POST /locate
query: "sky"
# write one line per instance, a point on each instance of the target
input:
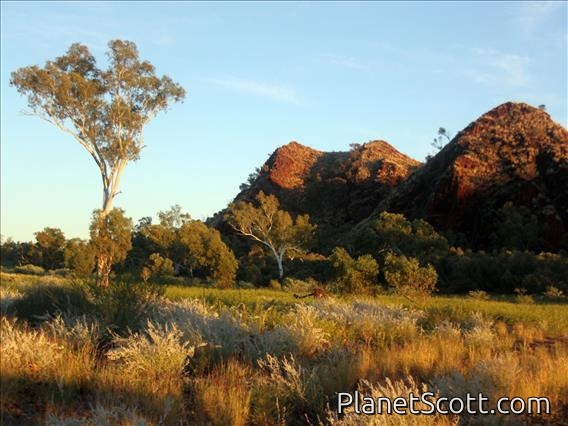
(259, 75)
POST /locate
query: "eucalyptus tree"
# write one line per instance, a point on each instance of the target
(271, 227)
(104, 110)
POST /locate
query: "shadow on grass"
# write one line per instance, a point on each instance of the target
(27, 400)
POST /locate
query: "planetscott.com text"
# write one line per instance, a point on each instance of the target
(427, 403)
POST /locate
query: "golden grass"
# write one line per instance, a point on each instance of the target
(238, 357)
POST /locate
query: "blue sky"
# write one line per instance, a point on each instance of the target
(259, 75)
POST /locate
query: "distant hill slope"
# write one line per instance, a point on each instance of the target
(514, 153)
(334, 188)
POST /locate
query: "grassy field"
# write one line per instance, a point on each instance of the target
(261, 357)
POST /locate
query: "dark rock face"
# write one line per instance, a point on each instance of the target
(512, 153)
(334, 188)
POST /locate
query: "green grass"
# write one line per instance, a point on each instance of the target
(551, 317)
(229, 297)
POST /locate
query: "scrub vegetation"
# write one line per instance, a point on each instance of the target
(197, 355)
(328, 273)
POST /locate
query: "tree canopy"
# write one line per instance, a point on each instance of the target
(206, 252)
(268, 225)
(105, 110)
(50, 243)
(111, 238)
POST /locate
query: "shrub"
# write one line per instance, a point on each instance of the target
(302, 328)
(159, 266)
(123, 305)
(275, 285)
(392, 389)
(407, 277)
(80, 257)
(156, 357)
(296, 285)
(392, 230)
(354, 275)
(478, 295)
(30, 269)
(223, 397)
(22, 349)
(206, 254)
(523, 297)
(553, 292)
(44, 301)
(294, 390)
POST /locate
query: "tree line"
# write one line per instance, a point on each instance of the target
(105, 111)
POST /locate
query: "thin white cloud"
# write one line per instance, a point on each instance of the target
(273, 91)
(498, 68)
(348, 62)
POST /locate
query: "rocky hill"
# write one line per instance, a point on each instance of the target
(514, 153)
(335, 188)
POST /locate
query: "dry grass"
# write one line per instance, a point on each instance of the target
(198, 361)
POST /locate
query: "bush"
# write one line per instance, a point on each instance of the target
(160, 266)
(407, 277)
(43, 301)
(275, 285)
(206, 255)
(120, 307)
(354, 275)
(123, 305)
(553, 292)
(297, 286)
(29, 269)
(522, 296)
(80, 257)
(245, 285)
(157, 357)
(478, 295)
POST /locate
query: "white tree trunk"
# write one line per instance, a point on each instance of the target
(279, 256)
(280, 268)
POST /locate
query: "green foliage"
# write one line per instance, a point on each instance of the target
(47, 300)
(392, 231)
(160, 266)
(14, 253)
(354, 276)
(30, 269)
(104, 110)
(516, 228)
(271, 227)
(123, 306)
(207, 254)
(252, 177)
(173, 218)
(523, 297)
(50, 244)
(79, 257)
(440, 140)
(407, 277)
(464, 271)
(111, 239)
